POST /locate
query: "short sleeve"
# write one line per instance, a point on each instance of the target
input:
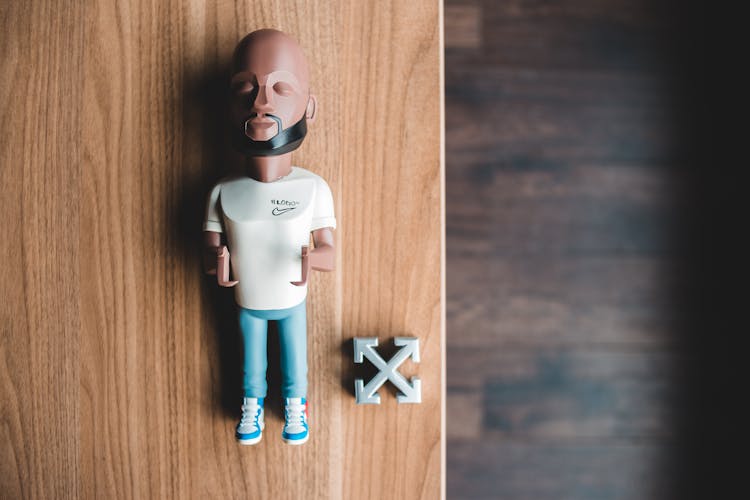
(213, 217)
(323, 215)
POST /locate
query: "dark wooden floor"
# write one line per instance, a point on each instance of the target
(561, 202)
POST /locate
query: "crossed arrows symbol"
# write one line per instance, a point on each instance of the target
(365, 348)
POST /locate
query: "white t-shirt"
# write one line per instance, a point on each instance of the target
(267, 224)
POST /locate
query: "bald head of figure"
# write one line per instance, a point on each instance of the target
(268, 50)
(271, 101)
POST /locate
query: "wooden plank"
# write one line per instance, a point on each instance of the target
(41, 51)
(141, 381)
(568, 395)
(580, 35)
(392, 194)
(563, 354)
(546, 118)
(571, 256)
(592, 210)
(547, 301)
(463, 26)
(464, 414)
(559, 471)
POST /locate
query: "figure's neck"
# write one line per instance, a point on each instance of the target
(269, 168)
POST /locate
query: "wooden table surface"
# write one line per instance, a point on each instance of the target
(119, 361)
(562, 181)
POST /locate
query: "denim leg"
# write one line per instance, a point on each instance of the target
(293, 342)
(255, 362)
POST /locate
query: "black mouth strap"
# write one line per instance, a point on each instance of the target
(285, 141)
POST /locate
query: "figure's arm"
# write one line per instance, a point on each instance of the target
(216, 258)
(322, 257)
(215, 255)
(212, 230)
(212, 244)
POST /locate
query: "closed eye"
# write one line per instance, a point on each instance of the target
(243, 87)
(283, 89)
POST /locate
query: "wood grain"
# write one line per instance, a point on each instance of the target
(546, 302)
(563, 176)
(547, 117)
(576, 35)
(566, 395)
(528, 471)
(119, 366)
(40, 172)
(463, 26)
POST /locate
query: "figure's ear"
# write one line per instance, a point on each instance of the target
(312, 108)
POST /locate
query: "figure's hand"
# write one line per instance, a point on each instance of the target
(305, 267)
(222, 268)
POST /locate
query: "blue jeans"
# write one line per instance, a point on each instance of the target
(292, 326)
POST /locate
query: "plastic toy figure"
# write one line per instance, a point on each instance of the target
(267, 216)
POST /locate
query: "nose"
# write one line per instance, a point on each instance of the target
(263, 101)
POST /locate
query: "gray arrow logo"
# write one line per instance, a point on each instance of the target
(366, 394)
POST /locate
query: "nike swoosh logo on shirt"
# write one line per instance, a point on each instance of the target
(279, 211)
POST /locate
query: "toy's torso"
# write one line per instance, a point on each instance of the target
(267, 224)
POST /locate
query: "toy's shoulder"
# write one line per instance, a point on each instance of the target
(230, 179)
(302, 173)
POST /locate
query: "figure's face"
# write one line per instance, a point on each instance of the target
(269, 87)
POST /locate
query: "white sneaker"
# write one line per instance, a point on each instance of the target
(250, 428)
(295, 426)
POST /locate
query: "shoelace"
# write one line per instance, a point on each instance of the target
(295, 414)
(250, 414)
